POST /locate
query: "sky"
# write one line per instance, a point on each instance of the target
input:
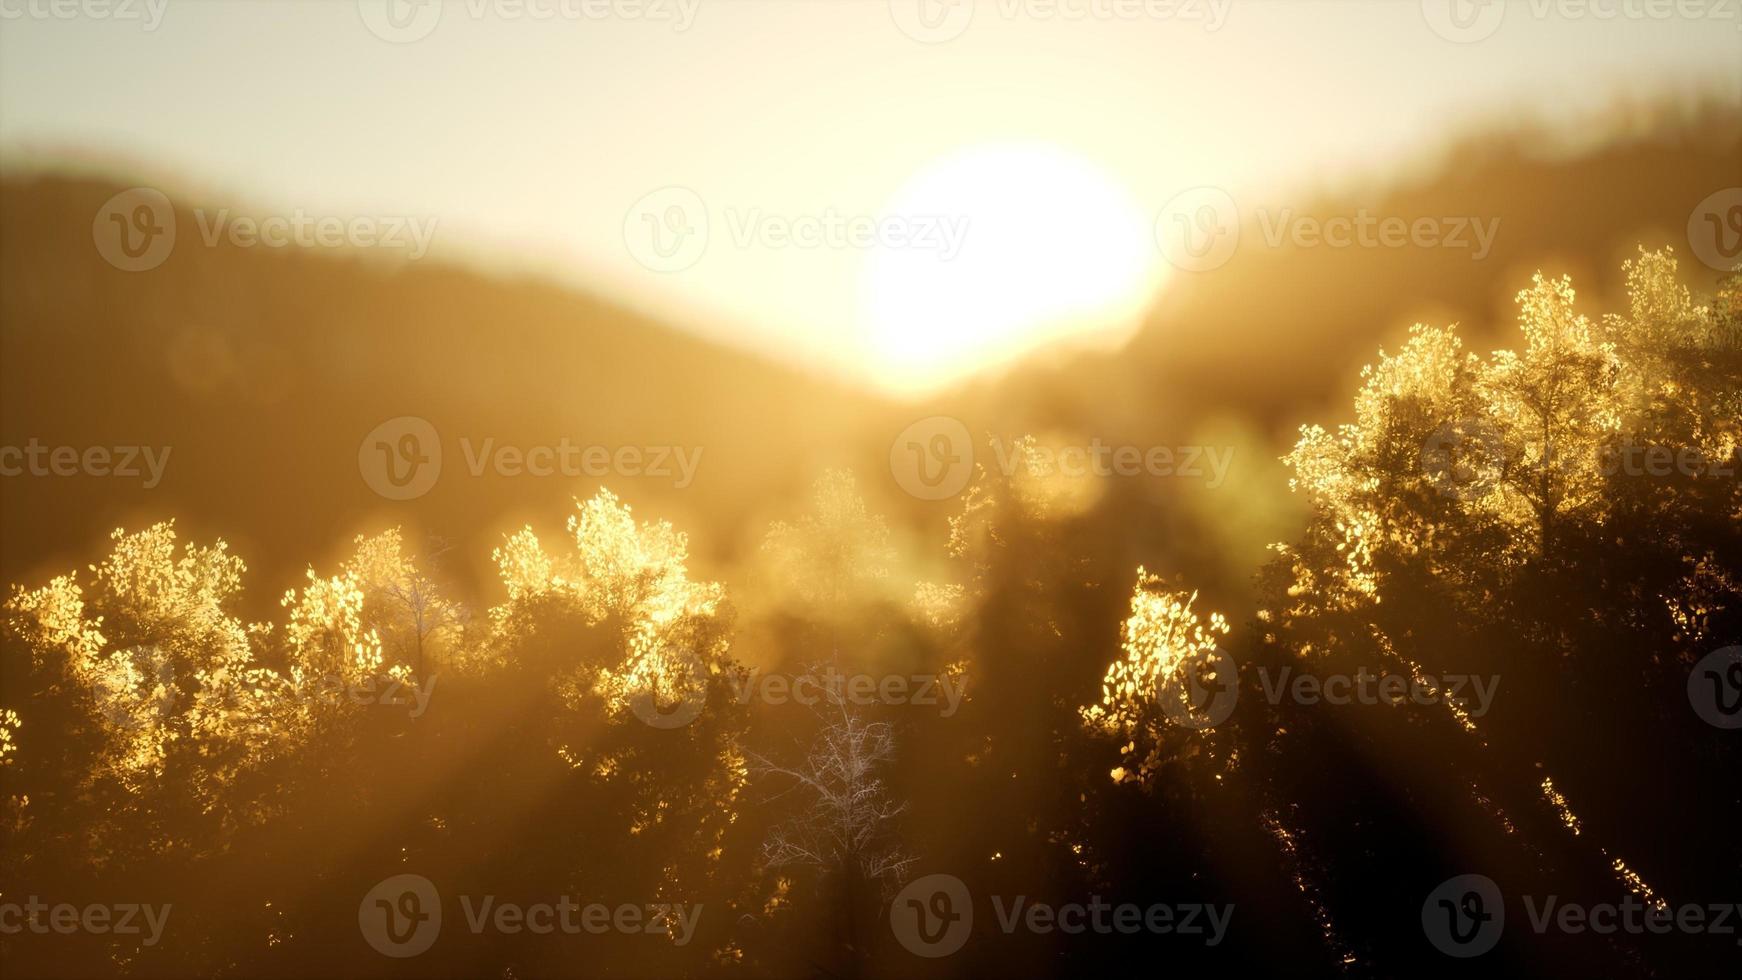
(895, 190)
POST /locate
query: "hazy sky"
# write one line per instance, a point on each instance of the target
(541, 137)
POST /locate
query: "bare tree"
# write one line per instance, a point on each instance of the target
(848, 824)
(408, 608)
(424, 612)
(847, 827)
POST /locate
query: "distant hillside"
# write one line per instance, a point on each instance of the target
(1278, 326)
(265, 368)
(1247, 352)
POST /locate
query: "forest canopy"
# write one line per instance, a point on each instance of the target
(1558, 524)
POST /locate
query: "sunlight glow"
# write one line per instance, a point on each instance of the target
(1053, 247)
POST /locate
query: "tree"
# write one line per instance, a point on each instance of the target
(836, 555)
(418, 625)
(845, 828)
(1489, 516)
(153, 686)
(626, 662)
(1155, 696)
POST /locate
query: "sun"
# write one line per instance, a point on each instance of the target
(1031, 244)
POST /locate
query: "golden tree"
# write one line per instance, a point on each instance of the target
(1447, 443)
(638, 656)
(1365, 481)
(157, 679)
(1553, 407)
(838, 552)
(1152, 698)
(175, 704)
(419, 626)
